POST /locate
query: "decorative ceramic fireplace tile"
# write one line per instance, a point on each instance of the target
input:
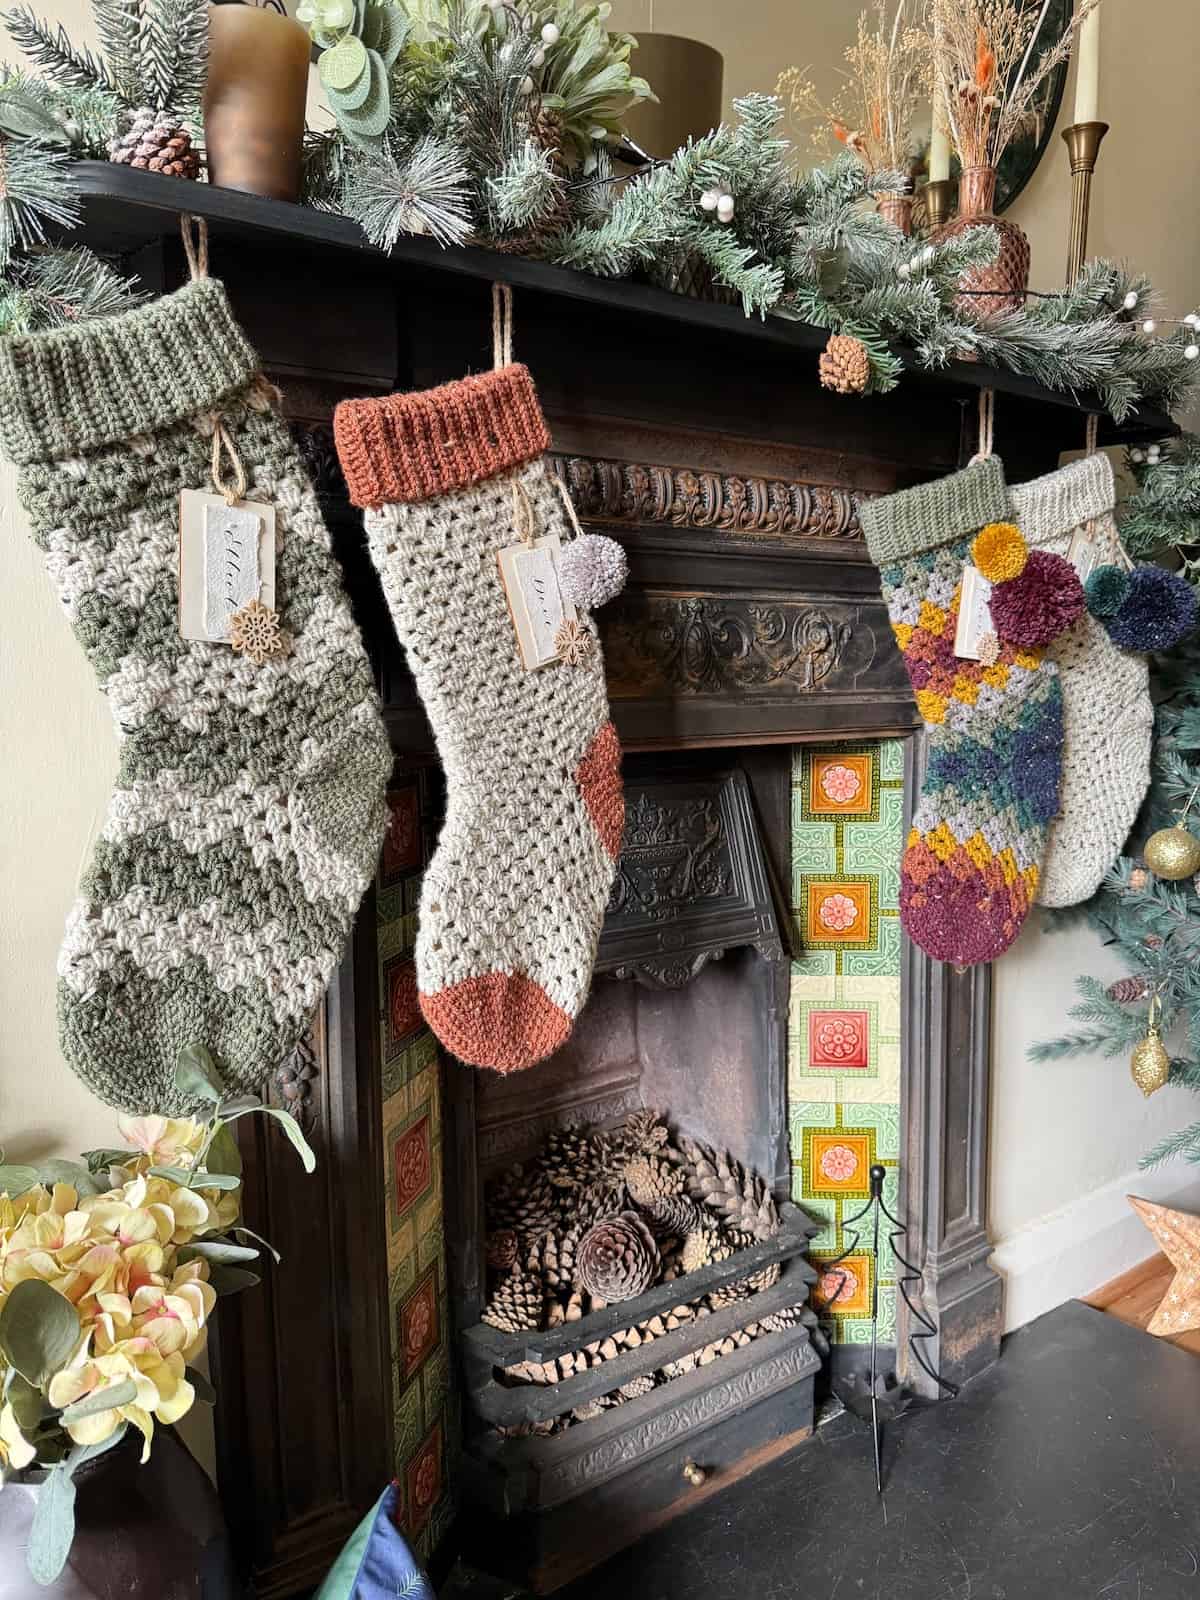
(844, 1023)
(412, 1176)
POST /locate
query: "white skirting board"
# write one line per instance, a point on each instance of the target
(1086, 1244)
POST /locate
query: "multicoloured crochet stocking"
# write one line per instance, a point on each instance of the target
(513, 899)
(248, 810)
(1108, 718)
(970, 867)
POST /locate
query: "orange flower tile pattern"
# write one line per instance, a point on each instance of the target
(844, 1026)
(426, 1425)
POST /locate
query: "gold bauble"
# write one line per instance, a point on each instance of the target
(1150, 1065)
(1173, 853)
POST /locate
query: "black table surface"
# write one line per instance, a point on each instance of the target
(1071, 1469)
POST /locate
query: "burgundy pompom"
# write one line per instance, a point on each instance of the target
(1159, 610)
(1036, 606)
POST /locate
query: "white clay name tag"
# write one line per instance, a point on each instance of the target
(529, 573)
(226, 560)
(1084, 552)
(974, 618)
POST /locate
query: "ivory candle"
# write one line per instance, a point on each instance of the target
(1087, 69)
(939, 141)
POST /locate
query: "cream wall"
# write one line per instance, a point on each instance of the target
(1063, 1135)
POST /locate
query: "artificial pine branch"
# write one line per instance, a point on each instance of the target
(36, 193)
(59, 288)
(52, 52)
(422, 190)
(526, 190)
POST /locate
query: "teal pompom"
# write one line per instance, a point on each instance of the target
(1106, 591)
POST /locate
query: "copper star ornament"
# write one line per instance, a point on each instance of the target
(1177, 1234)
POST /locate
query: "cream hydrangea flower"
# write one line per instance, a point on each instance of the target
(163, 1392)
(164, 1141)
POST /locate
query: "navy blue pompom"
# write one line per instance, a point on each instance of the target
(1159, 610)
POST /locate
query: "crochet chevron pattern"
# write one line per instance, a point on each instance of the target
(970, 867)
(513, 899)
(248, 810)
(1108, 718)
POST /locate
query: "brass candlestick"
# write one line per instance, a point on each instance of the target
(937, 201)
(1083, 146)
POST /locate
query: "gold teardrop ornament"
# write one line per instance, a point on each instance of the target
(1150, 1065)
(1173, 853)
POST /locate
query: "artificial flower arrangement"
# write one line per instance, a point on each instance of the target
(109, 1272)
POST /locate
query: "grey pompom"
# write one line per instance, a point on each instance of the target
(592, 571)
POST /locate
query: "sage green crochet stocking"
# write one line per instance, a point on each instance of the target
(248, 810)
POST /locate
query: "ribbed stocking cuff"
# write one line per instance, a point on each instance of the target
(1063, 500)
(915, 520)
(76, 389)
(406, 447)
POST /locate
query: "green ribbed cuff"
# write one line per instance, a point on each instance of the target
(915, 520)
(75, 389)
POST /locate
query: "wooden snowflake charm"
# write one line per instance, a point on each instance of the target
(254, 631)
(573, 643)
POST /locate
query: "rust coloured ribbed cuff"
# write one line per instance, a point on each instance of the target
(407, 447)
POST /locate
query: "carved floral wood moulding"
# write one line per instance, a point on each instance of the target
(688, 497)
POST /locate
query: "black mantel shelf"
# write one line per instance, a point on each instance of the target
(124, 210)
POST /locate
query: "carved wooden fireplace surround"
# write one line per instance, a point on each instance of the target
(752, 620)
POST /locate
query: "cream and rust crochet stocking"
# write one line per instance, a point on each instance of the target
(513, 899)
(248, 810)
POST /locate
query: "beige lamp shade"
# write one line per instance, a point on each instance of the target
(688, 78)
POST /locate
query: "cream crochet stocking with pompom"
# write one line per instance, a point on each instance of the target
(1108, 719)
(513, 899)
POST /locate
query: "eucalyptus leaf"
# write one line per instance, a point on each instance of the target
(343, 65)
(217, 1250)
(73, 1173)
(101, 1160)
(354, 97)
(223, 1154)
(196, 1075)
(205, 1392)
(28, 1402)
(39, 1329)
(15, 1180)
(53, 1527)
(192, 1179)
(23, 117)
(292, 1128)
(106, 1399)
(258, 1239)
(231, 1280)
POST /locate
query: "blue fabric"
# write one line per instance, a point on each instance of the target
(376, 1563)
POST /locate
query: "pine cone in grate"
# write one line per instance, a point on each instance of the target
(516, 1305)
(569, 1158)
(502, 1249)
(737, 1197)
(604, 1197)
(636, 1387)
(558, 1260)
(658, 1190)
(643, 1133)
(155, 142)
(766, 1277)
(703, 1246)
(524, 1200)
(618, 1258)
(845, 365)
(789, 1317)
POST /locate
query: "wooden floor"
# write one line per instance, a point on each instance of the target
(1134, 1298)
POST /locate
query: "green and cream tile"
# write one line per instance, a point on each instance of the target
(844, 1021)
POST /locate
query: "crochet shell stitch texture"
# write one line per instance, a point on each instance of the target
(513, 899)
(1108, 718)
(248, 809)
(970, 869)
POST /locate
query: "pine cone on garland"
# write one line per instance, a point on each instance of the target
(618, 1258)
(155, 142)
(845, 365)
(1125, 990)
(516, 1305)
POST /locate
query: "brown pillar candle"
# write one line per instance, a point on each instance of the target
(254, 100)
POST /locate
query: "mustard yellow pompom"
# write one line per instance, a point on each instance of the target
(999, 551)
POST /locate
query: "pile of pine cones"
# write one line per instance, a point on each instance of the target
(600, 1217)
